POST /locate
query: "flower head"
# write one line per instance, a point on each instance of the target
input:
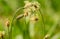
(34, 18)
(31, 7)
(7, 23)
(36, 5)
(27, 4)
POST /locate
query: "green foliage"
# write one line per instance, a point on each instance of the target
(47, 25)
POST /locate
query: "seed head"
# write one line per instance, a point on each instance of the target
(36, 5)
(34, 18)
(20, 16)
(26, 14)
(7, 23)
(32, 5)
(27, 4)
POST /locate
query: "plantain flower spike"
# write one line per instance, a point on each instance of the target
(36, 5)
(34, 18)
(7, 23)
(27, 4)
(31, 6)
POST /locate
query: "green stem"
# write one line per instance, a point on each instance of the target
(43, 28)
(26, 31)
(10, 33)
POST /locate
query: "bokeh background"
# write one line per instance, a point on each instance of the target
(51, 15)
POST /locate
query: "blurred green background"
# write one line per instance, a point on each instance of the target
(51, 14)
